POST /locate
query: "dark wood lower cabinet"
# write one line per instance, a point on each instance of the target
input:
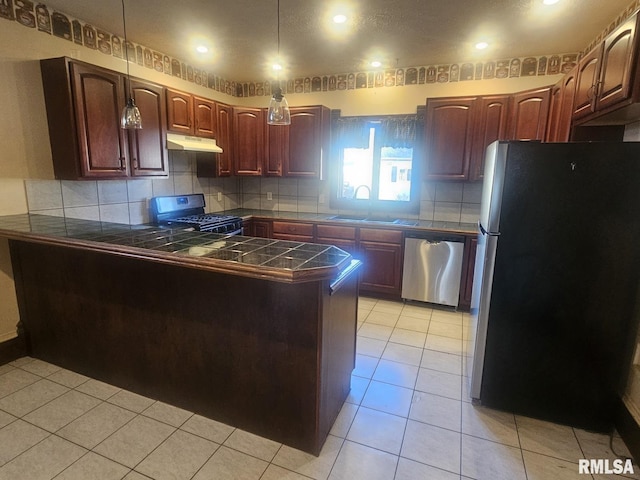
(468, 266)
(381, 254)
(270, 357)
(293, 231)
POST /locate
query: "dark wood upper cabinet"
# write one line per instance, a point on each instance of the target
(179, 112)
(299, 149)
(528, 114)
(205, 117)
(561, 108)
(191, 115)
(491, 125)
(586, 81)
(605, 76)
(308, 142)
(148, 146)
(217, 164)
(276, 148)
(617, 65)
(84, 104)
(248, 140)
(224, 126)
(449, 124)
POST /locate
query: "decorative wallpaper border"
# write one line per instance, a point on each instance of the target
(39, 16)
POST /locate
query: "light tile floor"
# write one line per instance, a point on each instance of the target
(408, 417)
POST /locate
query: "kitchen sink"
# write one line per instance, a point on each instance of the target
(361, 218)
(353, 218)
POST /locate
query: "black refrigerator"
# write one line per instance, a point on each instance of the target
(557, 279)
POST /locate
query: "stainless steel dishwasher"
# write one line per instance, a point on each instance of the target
(432, 268)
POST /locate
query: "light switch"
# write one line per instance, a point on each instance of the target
(219, 196)
(269, 196)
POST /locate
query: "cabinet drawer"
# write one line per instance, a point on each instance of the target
(293, 238)
(377, 235)
(335, 231)
(291, 228)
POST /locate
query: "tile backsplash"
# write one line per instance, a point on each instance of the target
(440, 201)
(126, 201)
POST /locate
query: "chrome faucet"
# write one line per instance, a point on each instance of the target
(355, 196)
(355, 192)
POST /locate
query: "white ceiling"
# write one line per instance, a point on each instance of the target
(243, 33)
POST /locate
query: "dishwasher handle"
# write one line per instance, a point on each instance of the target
(435, 238)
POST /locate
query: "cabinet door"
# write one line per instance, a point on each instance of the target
(205, 117)
(148, 145)
(448, 138)
(567, 98)
(382, 267)
(262, 229)
(287, 230)
(224, 125)
(248, 140)
(528, 112)
(618, 60)
(381, 252)
(339, 235)
(561, 108)
(98, 101)
(490, 125)
(179, 112)
(276, 148)
(307, 142)
(554, 112)
(468, 267)
(586, 80)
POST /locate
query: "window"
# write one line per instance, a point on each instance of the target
(376, 164)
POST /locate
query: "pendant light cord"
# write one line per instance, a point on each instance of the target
(278, 72)
(126, 48)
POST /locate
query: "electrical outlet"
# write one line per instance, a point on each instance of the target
(219, 196)
(321, 198)
(269, 196)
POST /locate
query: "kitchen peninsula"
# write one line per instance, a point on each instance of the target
(252, 332)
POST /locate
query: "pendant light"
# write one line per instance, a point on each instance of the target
(278, 113)
(130, 118)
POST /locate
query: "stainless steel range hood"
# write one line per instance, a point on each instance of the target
(192, 144)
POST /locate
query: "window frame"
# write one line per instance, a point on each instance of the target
(375, 206)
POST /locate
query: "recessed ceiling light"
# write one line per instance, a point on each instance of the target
(550, 2)
(339, 18)
(277, 66)
(481, 45)
(201, 49)
(376, 64)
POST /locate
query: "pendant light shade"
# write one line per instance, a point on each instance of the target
(278, 113)
(130, 118)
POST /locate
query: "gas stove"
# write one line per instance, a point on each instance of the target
(188, 211)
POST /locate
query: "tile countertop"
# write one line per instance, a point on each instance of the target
(403, 223)
(277, 260)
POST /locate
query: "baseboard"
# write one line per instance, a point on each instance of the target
(13, 349)
(628, 429)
